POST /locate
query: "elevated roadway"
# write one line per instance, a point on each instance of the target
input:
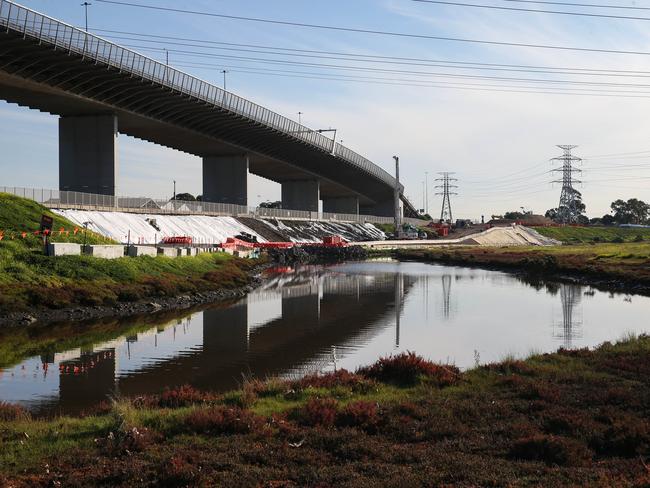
(100, 89)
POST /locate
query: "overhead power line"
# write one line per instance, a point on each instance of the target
(572, 4)
(371, 31)
(374, 58)
(534, 10)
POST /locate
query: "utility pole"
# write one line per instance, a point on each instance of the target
(426, 192)
(224, 71)
(174, 198)
(86, 5)
(568, 211)
(398, 216)
(446, 187)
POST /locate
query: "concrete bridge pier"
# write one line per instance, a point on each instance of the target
(345, 205)
(381, 209)
(225, 179)
(88, 159)
(301, 195)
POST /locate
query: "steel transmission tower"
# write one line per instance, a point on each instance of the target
(446, 187)
(568, 211)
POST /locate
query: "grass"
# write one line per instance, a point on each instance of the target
(627, 263)
(585, 235)
(29, 279)
(572, 418)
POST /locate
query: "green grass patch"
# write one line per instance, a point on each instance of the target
(578, 235)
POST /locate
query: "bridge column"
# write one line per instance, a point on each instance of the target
(381, 209)
(225, 179)
(88, 160)
(301, 195)
(345, 205)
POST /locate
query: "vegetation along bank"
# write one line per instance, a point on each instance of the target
(573, 418)
(37, 287)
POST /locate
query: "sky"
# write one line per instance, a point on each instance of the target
(498, 136)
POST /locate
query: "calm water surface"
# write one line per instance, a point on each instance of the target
(315, 318)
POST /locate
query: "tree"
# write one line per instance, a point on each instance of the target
(277, 204)
(185, 197)
(577, 210)
(634, 211)
(516, 215)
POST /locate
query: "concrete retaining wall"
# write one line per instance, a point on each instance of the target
(106, 252)
(170, 252)
(63, 249)
(135, 251)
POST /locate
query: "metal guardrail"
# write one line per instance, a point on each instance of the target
(59, 199)
(73, 40)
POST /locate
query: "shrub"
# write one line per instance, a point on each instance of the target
(626, 437)
(10, 412)
(342, 377)
(318, 412)
(224, 420)
(618, 240)
(407, 368)
(638, 238)
(182, 397)
(551, 450)
(364, 415)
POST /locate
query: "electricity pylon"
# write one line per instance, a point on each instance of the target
(446, 187)
(568, 211)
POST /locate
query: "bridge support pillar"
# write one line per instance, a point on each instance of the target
(301, 195)
(88, 160)
(345, 205)
(225, 179)
(381, 209)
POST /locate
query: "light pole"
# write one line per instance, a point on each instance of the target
(300, 118)
(396, 198)
(224, 78)
(86, 5)
(174, 197)
(426, 192)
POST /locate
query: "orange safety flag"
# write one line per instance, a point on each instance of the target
(76, 229)
(37, 232)
(24, 234)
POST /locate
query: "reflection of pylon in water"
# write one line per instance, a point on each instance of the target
(570, 297)
(446, 296)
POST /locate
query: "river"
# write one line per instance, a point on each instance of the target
(317, 318)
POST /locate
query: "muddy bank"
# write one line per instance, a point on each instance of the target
(121, 310)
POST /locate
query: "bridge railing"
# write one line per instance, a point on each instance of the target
(58, 199)
(71, 39)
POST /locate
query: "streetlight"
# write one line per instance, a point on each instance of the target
(396, 197)
(300, 118)
(86, 5)
(224, 77)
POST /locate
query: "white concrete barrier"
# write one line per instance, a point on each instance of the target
(63, 249)
(135, 251)
(105, 251)
(170, 252)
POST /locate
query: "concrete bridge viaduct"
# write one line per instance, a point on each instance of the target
(100, 89)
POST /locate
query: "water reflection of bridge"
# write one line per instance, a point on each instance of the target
(291, 321)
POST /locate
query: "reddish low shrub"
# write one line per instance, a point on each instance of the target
(10, 412)
(364, 415)
(625, 437)
(318, 412)
(224, 420)
(179, 471)
(408, 368)
(342, 377)
(551, 450)
(182, 396)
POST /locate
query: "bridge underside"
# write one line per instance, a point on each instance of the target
(36, 75)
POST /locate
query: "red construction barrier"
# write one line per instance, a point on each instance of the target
(177, 240)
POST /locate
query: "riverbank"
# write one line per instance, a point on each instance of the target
(564, 419)
(39, 288)
(622, 267)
